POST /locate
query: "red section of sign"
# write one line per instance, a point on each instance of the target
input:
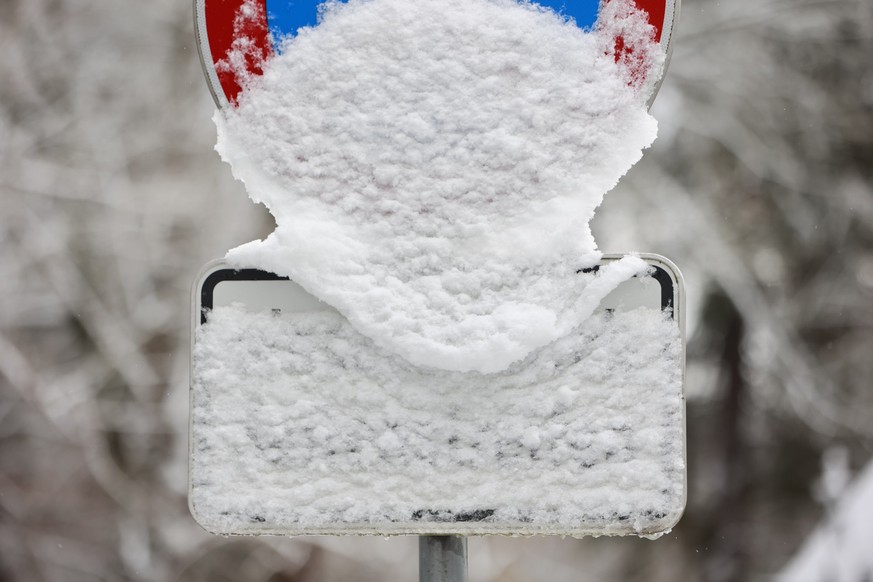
(633, 54)
(243, 21)
(657, 10)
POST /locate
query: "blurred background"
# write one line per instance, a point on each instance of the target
(760, 187)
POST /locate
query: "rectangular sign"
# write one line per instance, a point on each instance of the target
(300, 426)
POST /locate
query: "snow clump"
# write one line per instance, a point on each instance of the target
(433, 165)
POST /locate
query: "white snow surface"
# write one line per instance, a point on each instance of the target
(432, 167)
(300, 424)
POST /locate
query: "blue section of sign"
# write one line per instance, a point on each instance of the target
(284, 17)
(584, 12)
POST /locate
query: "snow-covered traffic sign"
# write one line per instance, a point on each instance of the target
(236, 37)
(298, 427)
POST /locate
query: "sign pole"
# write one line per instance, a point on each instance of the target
(442, 559)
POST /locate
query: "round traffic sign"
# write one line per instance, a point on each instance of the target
(223, 27)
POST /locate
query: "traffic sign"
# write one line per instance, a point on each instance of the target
(299, 428)
(264, 23)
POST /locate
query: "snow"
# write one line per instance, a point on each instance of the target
(300, 424)
(839, 550)
(432, 167)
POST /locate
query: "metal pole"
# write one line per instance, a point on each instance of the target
(442, 559)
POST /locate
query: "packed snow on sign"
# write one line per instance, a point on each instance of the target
(302, 425)
(432, 167)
